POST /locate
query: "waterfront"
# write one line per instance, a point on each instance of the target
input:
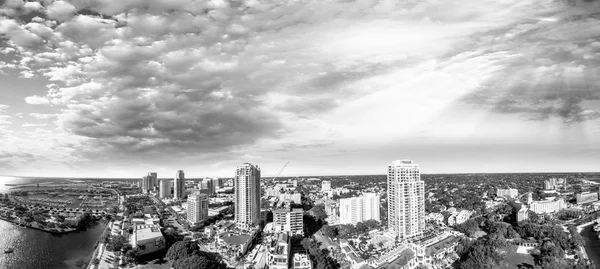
(592, 244)
(35, 249)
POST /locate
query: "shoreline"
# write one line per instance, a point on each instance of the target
(40, 229)
(583, 248)
(582, 226)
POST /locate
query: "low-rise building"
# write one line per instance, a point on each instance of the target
(523, 214)
(459, 216)
(441, 252)
(301, 261)
(279, 252)
(507, 193)
(147, 238)
(586, 197)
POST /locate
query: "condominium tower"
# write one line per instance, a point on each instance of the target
(197, 207)
(247, 195)
(165, 188)
(406, 199)
(358, 209)
(179, 185)
(153, 179)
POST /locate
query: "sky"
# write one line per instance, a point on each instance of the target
(104, 88)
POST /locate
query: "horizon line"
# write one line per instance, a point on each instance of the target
(304, 176)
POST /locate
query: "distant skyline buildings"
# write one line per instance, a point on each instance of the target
(406, 199)
(246, 185)
(179, 185)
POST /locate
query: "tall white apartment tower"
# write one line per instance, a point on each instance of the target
(359, 209)
(406, 199)
(197, 207)
(179, 185)
(165, 189)
(246, 185)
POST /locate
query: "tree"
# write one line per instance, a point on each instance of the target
(182, 250)
(201, 261)
(329, 231)
(116, 243)
(319, 212)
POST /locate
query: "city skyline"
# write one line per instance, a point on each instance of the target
(335, 87)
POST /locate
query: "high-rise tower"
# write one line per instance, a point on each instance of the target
(197, 207)
(406, 199)
(247, 195)
(165, 188)
(179, 185)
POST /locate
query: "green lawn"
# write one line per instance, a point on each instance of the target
(513, 259)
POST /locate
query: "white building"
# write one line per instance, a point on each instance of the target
(359, 209)
(406, 199)
(459, 216)
(247, 195)
(146, 184)
(288, 220)
(301, 261)
(507, 193)
(548, 206)
(148, 236)
(165, 189)
(326, 185)
(197, 207)
(279, 252)
(523, 214)
(179, 185)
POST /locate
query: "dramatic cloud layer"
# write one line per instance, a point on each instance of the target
(139, 83)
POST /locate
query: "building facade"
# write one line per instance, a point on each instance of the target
(586, 197)
(247, 195)
(165, 189)
(358, 209)
(179, 185)
(279, 252)
(197, 207)
(153, 179)
(147, 238)
(548, 206)
(406, 199)
(288, 220)
(326, 185)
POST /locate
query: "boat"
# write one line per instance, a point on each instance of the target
(8, 250)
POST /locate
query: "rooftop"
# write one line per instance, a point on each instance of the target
(235, 240)
(440, 246)
(403, 259)
(145, 232)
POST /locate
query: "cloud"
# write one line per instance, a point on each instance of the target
(41, 116)
(199, 77)
(37, 100)
(61, 10)
(33, 125)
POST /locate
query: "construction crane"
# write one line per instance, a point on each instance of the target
(280, 171)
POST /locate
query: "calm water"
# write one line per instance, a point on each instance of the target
(35, 249)
(592, 244)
